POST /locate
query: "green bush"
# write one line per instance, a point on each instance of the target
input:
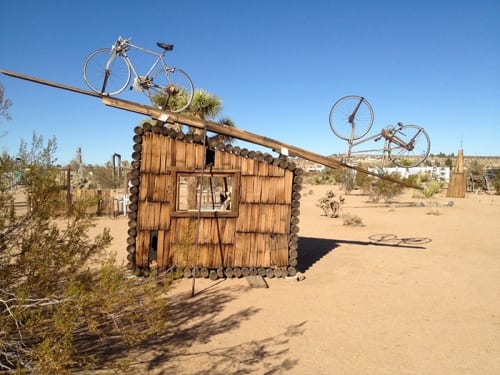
(377, 188)
(432, 188)
(62, 299)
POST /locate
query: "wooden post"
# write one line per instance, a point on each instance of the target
(456, 186)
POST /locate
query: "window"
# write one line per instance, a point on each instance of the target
(214, 194)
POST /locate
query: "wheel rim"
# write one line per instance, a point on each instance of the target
(403, 157)
(95, 66)
(171, 89)
(351, 111)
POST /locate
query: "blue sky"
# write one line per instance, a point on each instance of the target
(277, 65)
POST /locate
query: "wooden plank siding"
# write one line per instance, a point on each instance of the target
(258, 236)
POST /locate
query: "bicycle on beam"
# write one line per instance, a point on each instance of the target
(108, 71)
(351, 118)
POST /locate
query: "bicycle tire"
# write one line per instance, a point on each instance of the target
(382, 237)
(415, 240)
(401, 156)
(351, 117)
(94, 72)
(171, 89)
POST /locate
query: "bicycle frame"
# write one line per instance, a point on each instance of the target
(404, 145)
(387, 135)
(109, 71)
(120, 49)
(375, 137)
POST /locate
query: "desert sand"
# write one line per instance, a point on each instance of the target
(424, 301)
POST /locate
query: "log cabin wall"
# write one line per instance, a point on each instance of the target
(243, 221)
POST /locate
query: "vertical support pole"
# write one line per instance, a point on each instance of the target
(117, 163)
(69, 207)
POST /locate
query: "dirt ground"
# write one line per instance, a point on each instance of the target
(426, 300)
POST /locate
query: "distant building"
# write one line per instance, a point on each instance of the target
(437, 173)
(315, 168)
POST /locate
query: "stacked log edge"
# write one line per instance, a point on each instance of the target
(135, 215)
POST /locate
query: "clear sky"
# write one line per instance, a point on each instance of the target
(277, 65)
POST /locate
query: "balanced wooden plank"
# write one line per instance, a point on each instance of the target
(236, 133)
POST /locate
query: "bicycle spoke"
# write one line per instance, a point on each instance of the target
(171, 89)
(103, 79)
(351, 117)
(108, 71)
(409, 147)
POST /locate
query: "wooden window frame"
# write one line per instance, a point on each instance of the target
(235, 192)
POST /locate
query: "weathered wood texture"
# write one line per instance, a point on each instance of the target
(457, 184)
(259, 238)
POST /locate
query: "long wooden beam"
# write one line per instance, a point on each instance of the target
(171, 117)
(50, 83)
(233, 132)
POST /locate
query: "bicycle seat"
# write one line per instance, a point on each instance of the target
(166, 47)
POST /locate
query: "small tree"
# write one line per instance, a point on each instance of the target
(476, 168)
(61, 296)
(378, 188)
(4, 106)
(449, 162)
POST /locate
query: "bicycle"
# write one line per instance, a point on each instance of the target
(108, 71)
(394, 240)
(351, 118)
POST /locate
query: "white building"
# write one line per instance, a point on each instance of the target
(437, 173)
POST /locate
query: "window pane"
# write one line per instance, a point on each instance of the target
(214, 191)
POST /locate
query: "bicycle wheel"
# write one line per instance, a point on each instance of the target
(416, 241)
(170, 89)
(382, 237)
(419, 146)
(94, 69)
(351, 117)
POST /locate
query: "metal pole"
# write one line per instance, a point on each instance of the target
(200, 196)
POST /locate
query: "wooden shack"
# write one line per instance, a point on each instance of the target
(210, 209)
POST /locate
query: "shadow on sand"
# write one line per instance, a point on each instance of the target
(198, 320)
(194, 321)
(311, 250)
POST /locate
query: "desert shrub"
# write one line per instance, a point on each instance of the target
(361, 179)
(352, 220)
(327, 177)
(422, 177)
(414, 180)
(348, 179)
(377, 188)
(496, 184)
(476, 168)
(330, 205)
(62, 299)
(431, 188)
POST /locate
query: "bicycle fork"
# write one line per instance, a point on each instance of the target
(107, 72)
